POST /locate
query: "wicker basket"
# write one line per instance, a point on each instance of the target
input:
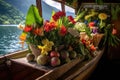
(97, 38)
(35, 51)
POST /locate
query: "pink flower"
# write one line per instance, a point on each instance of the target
(114, 31)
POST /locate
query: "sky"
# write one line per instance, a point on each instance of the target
(58, 6)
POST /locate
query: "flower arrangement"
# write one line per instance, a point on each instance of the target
(98, 22)
(56, 40)
(63, 38)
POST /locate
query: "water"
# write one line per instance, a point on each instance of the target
(9, 39)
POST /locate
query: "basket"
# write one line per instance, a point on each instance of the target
(35, 50)
(97, 38)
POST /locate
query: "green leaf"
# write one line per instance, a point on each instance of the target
(33, 16)
(53, 12)
(99, 2)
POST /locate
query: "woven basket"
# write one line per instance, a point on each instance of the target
(97, 38)
(35, 50)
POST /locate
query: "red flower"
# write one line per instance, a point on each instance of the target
(83, 41)
(71, 19)
(63, 30)
(48, 26)
(91, 24)
(28, 28)
(57, 15)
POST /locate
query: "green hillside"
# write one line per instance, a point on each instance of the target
(10, 14)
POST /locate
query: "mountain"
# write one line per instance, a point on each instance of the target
(10, 14)
(21, 5)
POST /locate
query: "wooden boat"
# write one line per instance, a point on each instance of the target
(15, 67)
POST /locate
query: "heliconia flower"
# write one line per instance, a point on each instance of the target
(58, 15)
(71, 19)
(63, 30)
(114, 31)
(22, 37)
(91, 24)
(48, 26)
(39, 31)
(102, 16)
(28, 28)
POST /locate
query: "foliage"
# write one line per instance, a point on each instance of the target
(115, 9)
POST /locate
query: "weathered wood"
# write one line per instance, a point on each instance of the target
(76, 69)
(17, 54)
(63, 5)
(39, 6)
(82, 70)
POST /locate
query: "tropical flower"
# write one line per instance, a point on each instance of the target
(47, 46)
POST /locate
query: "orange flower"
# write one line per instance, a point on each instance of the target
(92, 48)
(23, 36)
(38, 31)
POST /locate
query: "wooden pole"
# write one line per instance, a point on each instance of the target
(39, 6)
(63, 5)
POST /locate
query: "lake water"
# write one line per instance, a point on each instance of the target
(9, 39)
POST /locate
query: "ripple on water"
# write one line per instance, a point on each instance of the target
(9, 39)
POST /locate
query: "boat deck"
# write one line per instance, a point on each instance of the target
(20, 68)
(80, 71)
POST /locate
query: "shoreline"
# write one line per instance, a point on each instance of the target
(9, 24)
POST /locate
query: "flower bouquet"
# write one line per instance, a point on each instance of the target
(62, 38)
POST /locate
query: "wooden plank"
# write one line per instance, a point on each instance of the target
(83, 69)
(23, 61)
(39, 6)
(17, 54)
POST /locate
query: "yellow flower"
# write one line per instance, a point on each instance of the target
(47, 46)
(47, 42)
(43, 50)
(102, 16)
